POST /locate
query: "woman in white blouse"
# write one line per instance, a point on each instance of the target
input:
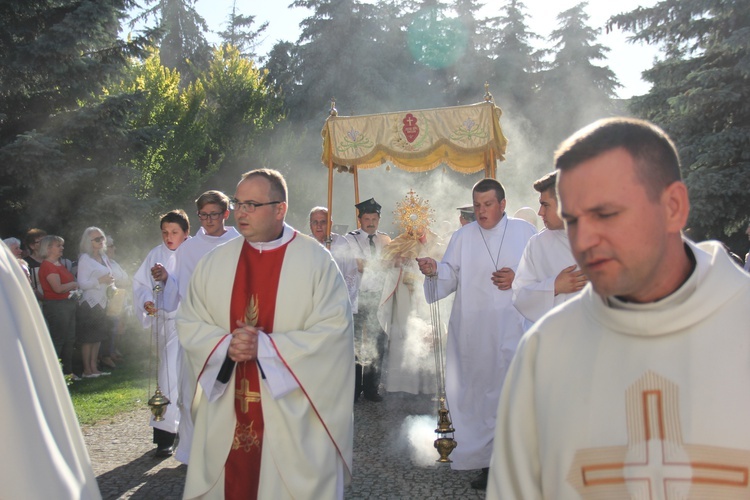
(94, 278)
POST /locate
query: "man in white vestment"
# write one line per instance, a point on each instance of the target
(638, 386)
(148, 302)
(213, 211)
(339, 249)
(547, 274)
(484, 328)
(370, 341)
(43, 454)
(403, 312)
(267, 327)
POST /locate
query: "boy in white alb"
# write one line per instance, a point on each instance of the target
(547, 274)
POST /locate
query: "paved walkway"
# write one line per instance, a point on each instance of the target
(393, 456)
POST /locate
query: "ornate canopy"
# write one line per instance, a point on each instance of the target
(467, 139)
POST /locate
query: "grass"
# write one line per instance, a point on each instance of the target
(102, 399)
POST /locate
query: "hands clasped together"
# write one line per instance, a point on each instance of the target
(244, 343)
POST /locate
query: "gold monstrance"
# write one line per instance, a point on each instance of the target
(158, 402)
(413, 215)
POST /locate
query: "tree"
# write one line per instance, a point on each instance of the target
(515, 65)
(183, 45)
(574, 90)
(60, 146)
(172, 160)
(700, 96)
(339, 53)
(239, 33)
(241, 106)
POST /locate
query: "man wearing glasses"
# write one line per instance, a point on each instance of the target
(213, 211)
(267, 326)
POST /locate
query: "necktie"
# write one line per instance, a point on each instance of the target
(372, 244)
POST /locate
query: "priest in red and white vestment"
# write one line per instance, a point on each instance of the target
(267, 325)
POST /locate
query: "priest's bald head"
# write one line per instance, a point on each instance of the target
(260, 205)
(624, 206)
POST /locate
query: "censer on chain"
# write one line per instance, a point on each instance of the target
(158, 402)
(445, 443)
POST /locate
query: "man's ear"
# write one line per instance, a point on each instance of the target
(676, 204)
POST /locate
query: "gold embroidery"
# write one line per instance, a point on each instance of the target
(252, 311)
(245, 438)
(245, 395)
(656, 459)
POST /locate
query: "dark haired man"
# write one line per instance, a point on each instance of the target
(635, 388)
(267, 329)
(479, 266)
(547, 274)
(213, 211)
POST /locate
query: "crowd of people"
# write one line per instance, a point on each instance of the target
(76, 297)
(575, 355)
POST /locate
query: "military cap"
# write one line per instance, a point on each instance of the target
(368, 207)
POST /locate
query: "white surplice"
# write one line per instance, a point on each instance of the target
(43, 454)
(483, 331)
(143, 291)
(405, 317)
(546, 254)
(607, 399)
(180, 268)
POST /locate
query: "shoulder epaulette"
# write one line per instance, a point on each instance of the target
(354, 233)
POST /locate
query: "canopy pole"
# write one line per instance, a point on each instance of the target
(493, 164)
(355, 171)
(330, 202)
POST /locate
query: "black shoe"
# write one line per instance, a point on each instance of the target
(164, 451)
(375, 398)
(480, 482)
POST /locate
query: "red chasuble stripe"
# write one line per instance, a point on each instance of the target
(254, 302)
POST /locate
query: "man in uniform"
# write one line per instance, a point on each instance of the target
(636, 387)
(267, 326)
(547, 274)
(479, 266)
(466, 214)
(366, 245)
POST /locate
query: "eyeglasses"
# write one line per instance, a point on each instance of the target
(250, 206)
(98, 239)
(211, 216)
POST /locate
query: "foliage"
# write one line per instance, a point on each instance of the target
(701, 97)
(574, 90)
(183, 45)
(514, 63)
(56, 137)
(128, 388)
(239, 33)
(189, 133)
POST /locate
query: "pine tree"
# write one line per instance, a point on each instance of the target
(240, 34)
(183, 45)
(574, 90)
(701, 97)
(514, 69)
(338, 56)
